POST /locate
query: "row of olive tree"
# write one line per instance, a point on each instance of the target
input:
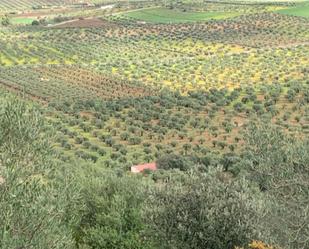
(263, 197)
(80, 205)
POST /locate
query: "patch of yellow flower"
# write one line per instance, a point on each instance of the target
(275, 8)
(258, 245)
(114, 70)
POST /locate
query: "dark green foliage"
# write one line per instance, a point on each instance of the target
(5, 21)
(112, 213)
(210, 211)
(168, 162)
(279, 164)
(135, 140)
(37, 197)
(35, 23)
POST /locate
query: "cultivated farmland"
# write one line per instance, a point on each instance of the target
(301, 9)
(209, 99)
(163, 15)
(253, 61)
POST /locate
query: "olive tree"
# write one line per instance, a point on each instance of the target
(111, 217)
(279, 164)
(36, 195)
(204, 210)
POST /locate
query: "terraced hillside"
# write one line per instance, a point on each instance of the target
(154, 124)
(97, 74)
(28, 4)
(201, 81)
(14, 5)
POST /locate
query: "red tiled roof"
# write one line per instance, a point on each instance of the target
(142, 167)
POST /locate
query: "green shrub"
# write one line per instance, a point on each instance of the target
(208, 210)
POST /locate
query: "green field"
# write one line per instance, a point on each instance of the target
(296, 11)
(163, 15)
(22, 20)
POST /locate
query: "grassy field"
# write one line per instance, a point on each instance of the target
(302, 10)
(22, 20)
(162, 15)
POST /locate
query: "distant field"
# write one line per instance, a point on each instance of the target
(162, 15)
(296, 11)
(22, 20)
(13, 5)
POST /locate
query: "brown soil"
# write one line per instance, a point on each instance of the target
(86, 114)
(92, 22)
(28, 95)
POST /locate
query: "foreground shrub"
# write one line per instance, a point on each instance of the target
(111, 216)
(36, 195)
(210, 211)
(279, 164)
